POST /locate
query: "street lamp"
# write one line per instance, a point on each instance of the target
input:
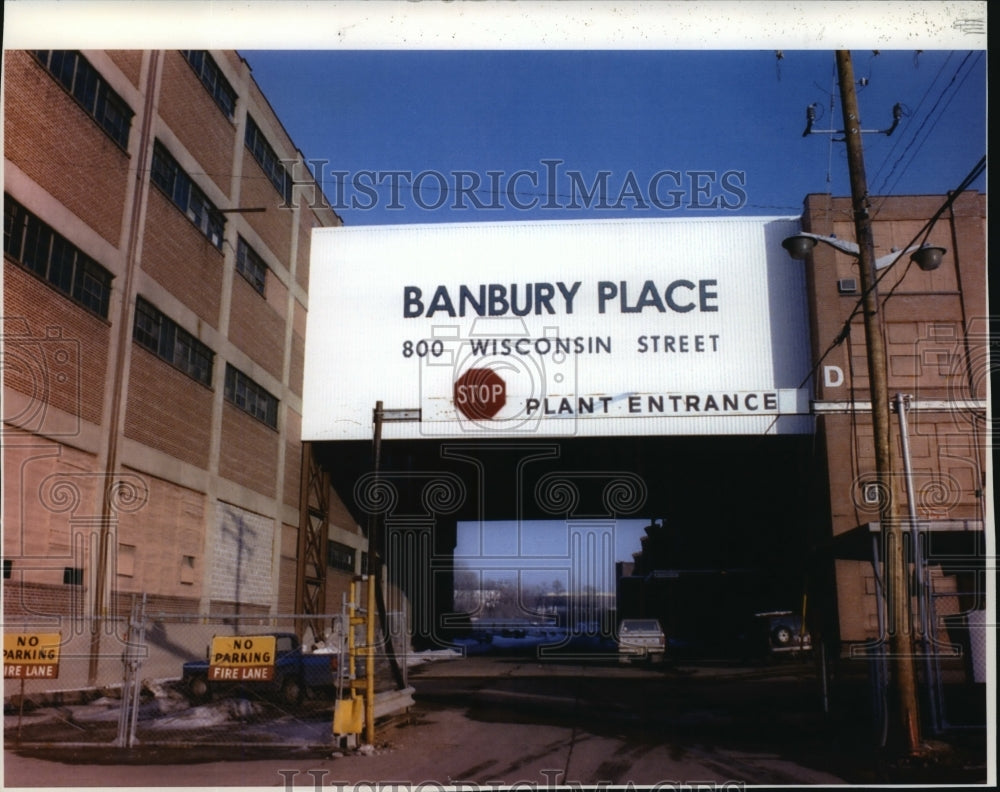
(799, 246)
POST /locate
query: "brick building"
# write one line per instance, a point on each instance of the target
(937, 345)
(936, 336)
(157, 223)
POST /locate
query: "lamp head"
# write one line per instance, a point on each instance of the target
(928, 257)
(799, 246)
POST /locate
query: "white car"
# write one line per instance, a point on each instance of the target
(641, 639)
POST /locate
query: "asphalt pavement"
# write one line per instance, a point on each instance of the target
(519, 721)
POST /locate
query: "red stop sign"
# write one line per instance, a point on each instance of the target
(480, 393)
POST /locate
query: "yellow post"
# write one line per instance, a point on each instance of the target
(370, 662)
(347, 713)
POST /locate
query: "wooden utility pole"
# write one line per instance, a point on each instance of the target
(899, 624)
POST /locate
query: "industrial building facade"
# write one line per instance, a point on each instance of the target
(157, 222)
(157, 246)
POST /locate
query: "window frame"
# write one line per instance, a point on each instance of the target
(158, 333)
(174, 182)
(250, 397)
(338, 554)
(53, 259)
(84, 83)
(251, 265)
(213, 80)
(265, 155)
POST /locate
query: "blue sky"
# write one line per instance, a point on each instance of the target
(722, 128)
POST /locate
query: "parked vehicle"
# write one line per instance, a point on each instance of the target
(641, 639)
(295, 672)
(778, 632)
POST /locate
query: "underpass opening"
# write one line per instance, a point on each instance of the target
(699, 532)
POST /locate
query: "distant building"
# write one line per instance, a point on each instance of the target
(157, 223)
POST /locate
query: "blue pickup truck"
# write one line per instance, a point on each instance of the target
(295, 672)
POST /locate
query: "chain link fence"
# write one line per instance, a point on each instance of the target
(151, 679)
(957, 695)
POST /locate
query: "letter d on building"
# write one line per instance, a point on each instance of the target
(833, 376)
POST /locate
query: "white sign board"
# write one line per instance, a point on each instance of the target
(555, 329)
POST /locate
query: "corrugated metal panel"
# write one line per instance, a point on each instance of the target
(699, 315)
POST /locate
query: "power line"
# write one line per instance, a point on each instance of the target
(899, 140)
(932, 114)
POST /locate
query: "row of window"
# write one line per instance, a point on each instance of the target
(250, 397)
(168, 175)
(222, 92)
(250, 265)
(162, 336)
(165, 338)
(340, 556)
(82, 80)
(185, 194)
(75, 73)
(268, 160)
(38, 248)
(212, 78)
(49, 255)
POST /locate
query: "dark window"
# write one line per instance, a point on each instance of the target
(166, 339)
(85, 84)
(53, 258)
(186, 195)
(251, 397)
(73, 576)
(268, 160)
(211, 77)
(8, 568)
(250, 265)
(340, 556)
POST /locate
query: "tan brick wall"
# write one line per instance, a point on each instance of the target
(289, 569)
(196, 120)
(51, 520)
(293, 457)
(168, 528)
(167, 410)
(234, 59)
(948, 472)
(249, 452)
(307, 221)
(274, 226)
(155, 603)
(255, 327)
(181, 258)
(130, 63)
(55, 351)
(33, 600)
(296, 371)
(56, 143)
